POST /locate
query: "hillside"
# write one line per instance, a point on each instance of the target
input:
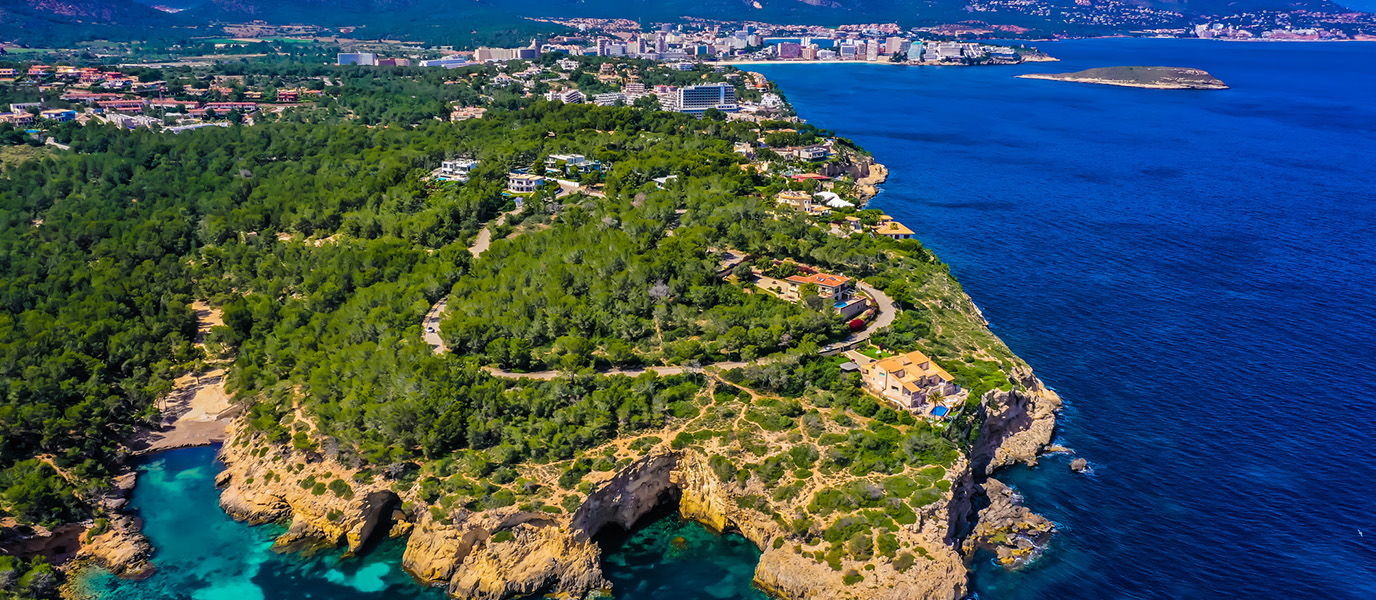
(55, 22)
(491, 21)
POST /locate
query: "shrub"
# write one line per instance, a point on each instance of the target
(903, 562)
(504, 535)
(852, 577)
(341, 489)
(778, 542)
(318, 489)
(722, 467)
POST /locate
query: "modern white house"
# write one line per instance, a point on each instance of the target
(457, 169)
(523, 183)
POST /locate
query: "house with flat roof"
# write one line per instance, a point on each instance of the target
(572, 163)
(912, 380)
(457, 169)
(61, 115)
(523, 183)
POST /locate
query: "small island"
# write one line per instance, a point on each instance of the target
(1159, 78)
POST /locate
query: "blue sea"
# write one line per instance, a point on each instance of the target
(1192, 271)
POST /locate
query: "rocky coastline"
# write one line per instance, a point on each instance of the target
(1157, 78)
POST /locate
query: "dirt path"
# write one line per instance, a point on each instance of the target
(198, 410)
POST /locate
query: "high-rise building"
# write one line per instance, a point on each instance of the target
(872, 50)
(790, 50)
(601, 46)
(810, 53)
(696, 99)
(915, 52)
(894, 45)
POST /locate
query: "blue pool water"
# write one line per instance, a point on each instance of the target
(1193, 271)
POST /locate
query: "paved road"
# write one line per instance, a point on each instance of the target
(724, 366)
(431, 324)
(484, 240)
(885, 316)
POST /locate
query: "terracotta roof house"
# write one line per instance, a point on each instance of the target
(908, 380)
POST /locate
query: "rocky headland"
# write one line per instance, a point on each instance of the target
(520, 549)
(1158, 78)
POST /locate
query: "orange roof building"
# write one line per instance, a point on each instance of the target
(907, 379)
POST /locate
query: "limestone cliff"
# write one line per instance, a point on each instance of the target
(509, 552)
(1018, 425)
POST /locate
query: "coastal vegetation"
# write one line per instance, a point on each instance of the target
(323, 242)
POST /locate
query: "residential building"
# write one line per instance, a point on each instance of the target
(6, 72)
(224, 107)
(448, 62)
(523, 183)
(812, 153)
(568, 96)
(22, 118)
(894, 45)
(872, 50)
(357, 58)
(288, 95)
(24, 106)
(915, 52)
(797, 199)
(572, 163)
(457, 169)
(609, 99)
(910, 380)
(634, 87)
(135, 106)
(831, 287)
(464, 114)
(502, 80)
(892, 229)
(696, 99)
(569, 64)
(790, 50)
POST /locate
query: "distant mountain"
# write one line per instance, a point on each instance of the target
(39, 22)
(457, 21)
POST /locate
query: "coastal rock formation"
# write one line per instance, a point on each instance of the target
(1159, 78)
(123, 549)
(1079, 465)
(510, 552)
(1008, 529)
(1019, 424)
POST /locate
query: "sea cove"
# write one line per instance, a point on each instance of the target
(202, 554)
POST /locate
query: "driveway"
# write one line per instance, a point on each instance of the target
(431, 325)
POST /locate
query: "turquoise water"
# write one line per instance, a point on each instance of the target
(202, 554)
(670, 558)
